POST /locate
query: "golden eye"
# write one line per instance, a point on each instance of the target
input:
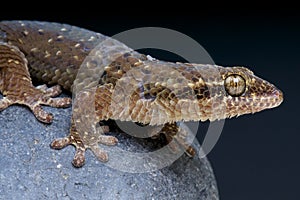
(235, 85)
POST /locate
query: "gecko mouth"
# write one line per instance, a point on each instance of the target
(269, 100)
(277, 97)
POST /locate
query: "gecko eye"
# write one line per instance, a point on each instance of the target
(235, 85)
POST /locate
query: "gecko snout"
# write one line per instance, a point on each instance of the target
(278, 97)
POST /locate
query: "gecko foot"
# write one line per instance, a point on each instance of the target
(35, 97)
(84, 142)
(79, 158)
(173, 132)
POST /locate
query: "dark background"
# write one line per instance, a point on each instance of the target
(257, 155)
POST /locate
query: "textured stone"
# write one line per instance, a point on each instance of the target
(30, 169)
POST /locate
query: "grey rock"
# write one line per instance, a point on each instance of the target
(30, 169)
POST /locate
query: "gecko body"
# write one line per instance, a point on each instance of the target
(132, 87)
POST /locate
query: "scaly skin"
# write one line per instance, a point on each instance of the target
(132, 87)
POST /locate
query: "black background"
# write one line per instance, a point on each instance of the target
(257, 155)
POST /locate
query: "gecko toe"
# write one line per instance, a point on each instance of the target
(99, 153)
(39, 98)
(178, 140)
(183, 144)
(60, 143)
(41, 115)
(79, 158)
(174, 147)
(50, 92)
(57, 102)
(102, 129)
(177, 146)
(108, 140)
(189, 150)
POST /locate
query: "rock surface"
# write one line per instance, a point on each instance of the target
(30, 169)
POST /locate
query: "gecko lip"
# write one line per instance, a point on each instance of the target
(278, 96)
(275, 97)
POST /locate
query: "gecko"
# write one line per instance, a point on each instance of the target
(52, 53)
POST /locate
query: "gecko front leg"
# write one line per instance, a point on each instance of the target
(85, 132)
(16, 85)
(172, 131)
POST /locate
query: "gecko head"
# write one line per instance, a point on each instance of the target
(247, 93)
(212, 92)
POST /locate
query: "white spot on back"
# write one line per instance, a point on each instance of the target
(58, 53)
(25, 32)
(34, 49)
(47, 54)
(20, 40)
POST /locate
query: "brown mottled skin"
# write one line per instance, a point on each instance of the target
(52, 53)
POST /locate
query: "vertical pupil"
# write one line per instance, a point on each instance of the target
(235, 85)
